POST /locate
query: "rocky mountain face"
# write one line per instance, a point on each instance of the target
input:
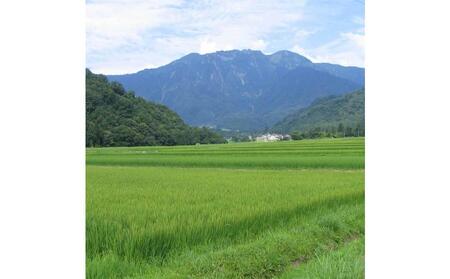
(240, 90)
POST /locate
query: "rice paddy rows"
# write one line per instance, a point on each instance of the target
(338, 153)
(248, 214)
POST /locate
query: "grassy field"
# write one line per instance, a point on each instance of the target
(256, 210)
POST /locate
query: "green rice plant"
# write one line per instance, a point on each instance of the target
(335, 154)
(220, 211)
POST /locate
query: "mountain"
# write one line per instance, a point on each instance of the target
(240, 89)
(115, 117)
(327, 113)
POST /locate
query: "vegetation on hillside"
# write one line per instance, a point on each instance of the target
(334, 116)
(115, 117)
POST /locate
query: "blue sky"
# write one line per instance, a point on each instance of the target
(125, 36)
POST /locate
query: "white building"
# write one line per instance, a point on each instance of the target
(272, 137)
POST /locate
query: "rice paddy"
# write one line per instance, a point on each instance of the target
(253, 210)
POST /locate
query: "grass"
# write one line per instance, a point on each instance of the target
(220, 211)
(344, 263)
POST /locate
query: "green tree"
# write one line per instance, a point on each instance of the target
(115, 117)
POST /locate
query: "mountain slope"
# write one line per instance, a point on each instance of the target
(329, 112)
(115, 117)
(244, 90)
(353, 74)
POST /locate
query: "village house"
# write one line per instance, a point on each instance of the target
(272, 137)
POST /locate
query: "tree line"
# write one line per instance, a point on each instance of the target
(330, 132)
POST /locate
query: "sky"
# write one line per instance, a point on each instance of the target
(125, 36)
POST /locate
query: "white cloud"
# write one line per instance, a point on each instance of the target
(347, 50)
(207, 46)
(151, 32)
(129, 35)
(259, 44)
(112, 24)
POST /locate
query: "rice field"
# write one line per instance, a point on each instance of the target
(253, 210)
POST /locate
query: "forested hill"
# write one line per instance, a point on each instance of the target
(115, 117)
(332, 114)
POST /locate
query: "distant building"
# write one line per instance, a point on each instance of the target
(272, 137)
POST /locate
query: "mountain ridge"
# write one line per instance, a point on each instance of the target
(240, 89)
